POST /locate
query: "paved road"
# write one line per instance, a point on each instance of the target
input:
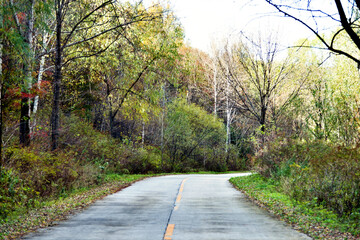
(180, 207)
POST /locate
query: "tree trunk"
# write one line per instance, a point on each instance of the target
(215, 90)
(55, 119)
(25, 122)
(1, 86)
(111, 112)
(25, 101)
(162, 126)
(111, 120)
(262, 119)
(143, 134)
(98, 117)
(228, 115)
(40, 74)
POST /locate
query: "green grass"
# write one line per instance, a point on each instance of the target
(48, 212)
(307, 217)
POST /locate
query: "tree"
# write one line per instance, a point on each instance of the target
(317, 17)
(188, 129)
(1, 78)
(258, 79)
(25, 28)
(27, 25)
(329, 105)
(97, 20)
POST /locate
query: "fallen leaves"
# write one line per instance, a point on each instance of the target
(59, 210)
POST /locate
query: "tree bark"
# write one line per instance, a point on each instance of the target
(215, 90)
(143, 134)
(40, 74)
(1, 84)
(228, 114)
(162, 143)
(55, 119)
(25, 101)
(262, 118)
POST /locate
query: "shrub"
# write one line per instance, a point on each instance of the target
(315, 171)
(12, 192)
(142, 161)
(45, 173)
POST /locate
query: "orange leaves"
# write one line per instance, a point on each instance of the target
(21, 16)
(37, 90)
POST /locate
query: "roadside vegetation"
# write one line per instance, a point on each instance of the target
(46, 212)
(94, 92)
(309, 217)
(92, 98)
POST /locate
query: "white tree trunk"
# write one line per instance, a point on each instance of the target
(28, 64)
(162, 125)
(143, 134)
(215, 90)
(41, 72)
(228, 114)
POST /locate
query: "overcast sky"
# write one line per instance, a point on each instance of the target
(205, 21)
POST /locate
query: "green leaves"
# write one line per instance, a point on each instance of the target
(189, 131)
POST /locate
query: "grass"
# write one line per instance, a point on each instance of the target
(24, 221)
(307, 217)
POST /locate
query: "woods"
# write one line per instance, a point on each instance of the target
(90, 88)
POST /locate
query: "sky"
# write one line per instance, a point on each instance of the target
(211, 21)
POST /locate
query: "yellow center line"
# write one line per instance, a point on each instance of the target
(169, 232)
(170, 228)
(179, 196)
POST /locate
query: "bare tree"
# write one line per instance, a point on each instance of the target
(316, 16)
(257, 78)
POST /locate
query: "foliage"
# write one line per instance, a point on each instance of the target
(193, 135)
(108, 154)
(263, 84)
(315, 171)
(47, 212)
(306, 216)
(328, 108)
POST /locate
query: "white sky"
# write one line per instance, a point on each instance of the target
(205, 21)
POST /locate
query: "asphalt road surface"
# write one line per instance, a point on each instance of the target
(177, 207)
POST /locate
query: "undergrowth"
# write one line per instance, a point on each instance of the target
(307, 216)
(24, 220)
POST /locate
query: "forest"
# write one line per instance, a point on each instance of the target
(90, 88)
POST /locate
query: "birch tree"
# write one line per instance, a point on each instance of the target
(26, 32)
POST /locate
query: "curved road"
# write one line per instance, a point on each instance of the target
(177, 207)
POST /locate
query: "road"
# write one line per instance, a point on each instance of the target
(177, 207)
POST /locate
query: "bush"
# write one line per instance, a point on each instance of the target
(45, 173)
(12, 192)
(315, 171)
(29, 176)
(142, 161)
